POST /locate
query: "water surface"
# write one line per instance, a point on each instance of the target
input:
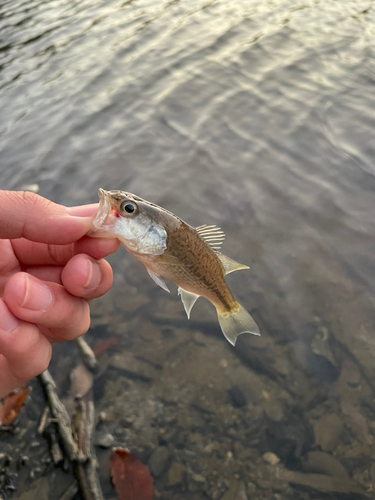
(255, 116)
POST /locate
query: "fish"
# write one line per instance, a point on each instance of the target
(171, 249)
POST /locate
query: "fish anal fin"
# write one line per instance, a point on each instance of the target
(230, 265)
(158, 280)
(188, 300)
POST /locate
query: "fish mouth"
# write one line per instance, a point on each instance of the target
(105, 217)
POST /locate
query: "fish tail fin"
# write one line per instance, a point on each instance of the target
(236, 322)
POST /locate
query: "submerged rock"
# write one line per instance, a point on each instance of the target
(159, 461)
(327, 431)
(237, 491)
(175, 474)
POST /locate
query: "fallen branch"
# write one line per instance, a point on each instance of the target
(78, 443)
(87, 466)
(88, 355)
(59, 414)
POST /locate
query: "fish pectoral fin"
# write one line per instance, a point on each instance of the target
(230, 265)
(158, 280)
(188, 299)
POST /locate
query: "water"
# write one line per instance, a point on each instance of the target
(258, 117)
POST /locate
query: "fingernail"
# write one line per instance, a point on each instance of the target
(83, 210)
(7, 321)
(37, 296)
(93, 273)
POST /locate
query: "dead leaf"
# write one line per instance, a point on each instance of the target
(12, 405)
(131, 478)
(102, 346)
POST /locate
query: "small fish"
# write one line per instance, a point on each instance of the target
(169, 248)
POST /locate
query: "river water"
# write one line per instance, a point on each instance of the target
(257, 116)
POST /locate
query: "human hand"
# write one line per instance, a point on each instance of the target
(49, 270)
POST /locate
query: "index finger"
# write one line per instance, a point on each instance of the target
(28, 215)
(29, 253)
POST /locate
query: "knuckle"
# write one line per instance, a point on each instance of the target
(42, 360)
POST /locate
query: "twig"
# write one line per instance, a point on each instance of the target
(45, 419)
(80, 452)
(69, 493)
(87, 465)
(88, 355)
(59, 413)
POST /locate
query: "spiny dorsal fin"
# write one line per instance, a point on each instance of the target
(212, 235)
(230, 265)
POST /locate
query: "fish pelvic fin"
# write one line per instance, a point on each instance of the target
(234, 323)
(188, 300)
(230, 265)
(158, 280)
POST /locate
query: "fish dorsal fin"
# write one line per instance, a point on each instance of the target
(158, 280)
(188, 299)
(212, 235)
(230, 265)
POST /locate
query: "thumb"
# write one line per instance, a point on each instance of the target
(28, 215)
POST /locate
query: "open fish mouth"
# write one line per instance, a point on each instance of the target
(105, 217)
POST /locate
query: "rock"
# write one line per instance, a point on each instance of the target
(275, 476)
(33, 188)
(237, 491)
(271, 458)
(198, 478)
(81, 380)
(251, 489)
(273, 410)
(104, 439)
(237, 397)
(323, 463)
(175, 474)
(159, 461)
(323, 483)
(210, 447)
(39, 490)
(327, 431)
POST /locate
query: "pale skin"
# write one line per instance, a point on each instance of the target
(49, 271)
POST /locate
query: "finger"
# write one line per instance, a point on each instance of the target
(30, 253)
(46, 273)
(24, 351)
(47, 304)
(27, 215)
(86, 277)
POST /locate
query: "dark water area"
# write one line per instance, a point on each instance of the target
(255, 116)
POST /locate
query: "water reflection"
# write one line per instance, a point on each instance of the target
(257, 117)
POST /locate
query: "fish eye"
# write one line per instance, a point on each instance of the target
(128, 208)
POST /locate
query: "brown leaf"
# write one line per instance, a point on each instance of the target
(102, 346)
(131, 478)
(12, 405)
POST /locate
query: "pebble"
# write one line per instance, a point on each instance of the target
(175, 474)
(271, 458)
(198, 478)
(251, 489)
(327, 431)
(104, 440)
(236, 491)
(324, 463)
(159, 461)
(102, 416)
